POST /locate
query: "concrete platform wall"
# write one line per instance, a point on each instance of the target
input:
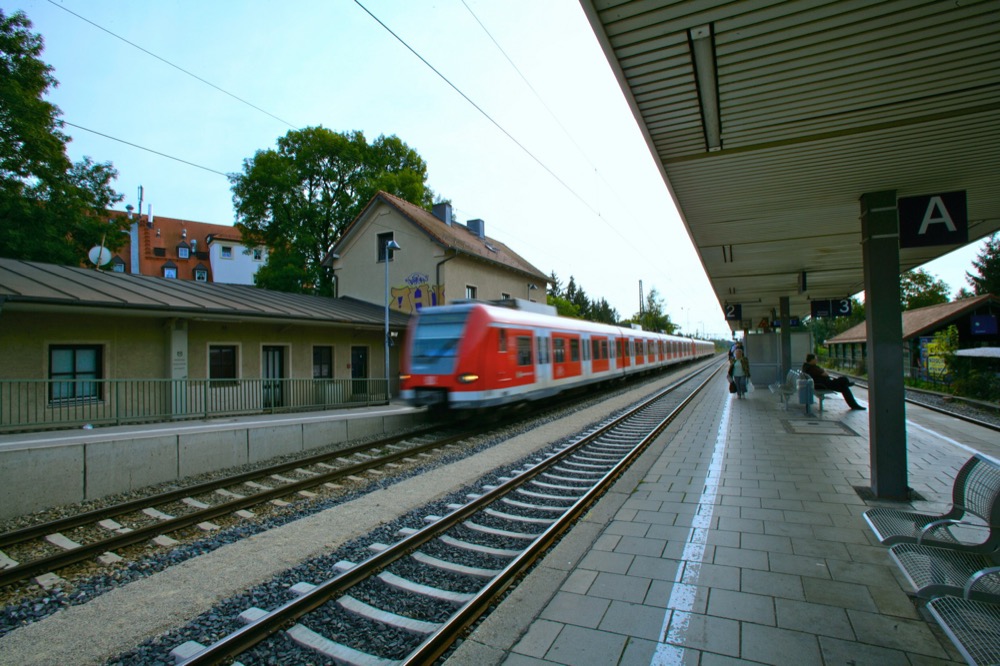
(43, 473)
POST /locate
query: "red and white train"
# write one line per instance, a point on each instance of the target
(473, 355)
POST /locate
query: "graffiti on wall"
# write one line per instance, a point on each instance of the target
(418, 293)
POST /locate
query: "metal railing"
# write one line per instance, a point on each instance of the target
(27, 404)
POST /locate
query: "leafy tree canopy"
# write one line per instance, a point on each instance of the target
(918, 289)
(52, 210)
(654, 317)
(987, 265)
(574, 302)
(299, 197)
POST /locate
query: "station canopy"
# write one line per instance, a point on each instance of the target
(769, 120)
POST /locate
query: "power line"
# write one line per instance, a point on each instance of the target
(177, 67)
(477, 107)
(149, 150)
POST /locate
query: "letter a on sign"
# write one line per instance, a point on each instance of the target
(933, 219)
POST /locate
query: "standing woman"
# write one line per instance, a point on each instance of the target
(739, 372)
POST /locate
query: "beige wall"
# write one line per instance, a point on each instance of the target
(413, 271)
(133, 347)
(136, 347)
(491, 282)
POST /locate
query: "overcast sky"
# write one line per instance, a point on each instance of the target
(551, 159)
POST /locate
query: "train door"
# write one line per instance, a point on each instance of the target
(272, 372)
(543, 359)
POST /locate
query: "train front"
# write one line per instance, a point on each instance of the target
(440, 360)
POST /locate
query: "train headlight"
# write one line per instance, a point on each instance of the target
(404, 377)
(467, 378)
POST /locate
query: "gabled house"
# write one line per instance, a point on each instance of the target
(439, 261)
(185, 250)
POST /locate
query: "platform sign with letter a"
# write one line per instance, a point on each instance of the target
(933, 219)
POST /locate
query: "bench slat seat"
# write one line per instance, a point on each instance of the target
(935, 571)
(975, 501)
(973, 626)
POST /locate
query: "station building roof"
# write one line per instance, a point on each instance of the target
(769, 120)
(923, 321)
(48, 287)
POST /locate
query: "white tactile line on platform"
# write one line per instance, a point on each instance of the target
(682, 597)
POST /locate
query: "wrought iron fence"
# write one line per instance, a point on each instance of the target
(38, 403)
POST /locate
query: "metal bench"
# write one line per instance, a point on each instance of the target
(972, 625)
(935, 570)
(790, 388)
(970, 525)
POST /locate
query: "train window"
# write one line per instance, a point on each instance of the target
(595, 346)
(524, 350)
(543, 350)
(574, 350)
(559, 350)
(502, 340)
(586, 350)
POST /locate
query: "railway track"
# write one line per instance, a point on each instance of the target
(936, 402)
(411, 600)
(39, 553)
(99, 533)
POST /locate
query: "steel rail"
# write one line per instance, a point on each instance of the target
(243, 639)
(40, 530)
(61, 560)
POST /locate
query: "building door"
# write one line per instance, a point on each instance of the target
(359, 371)
(273, 371)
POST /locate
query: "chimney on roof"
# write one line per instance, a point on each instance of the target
(442, 211)
(477, 227)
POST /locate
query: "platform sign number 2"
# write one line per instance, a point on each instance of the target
(734, 312)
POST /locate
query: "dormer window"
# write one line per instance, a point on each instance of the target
(200, 273)
(183, 250)
(170, 270)
(117, 264)
(383, 240)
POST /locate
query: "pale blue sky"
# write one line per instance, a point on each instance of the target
(595, 208)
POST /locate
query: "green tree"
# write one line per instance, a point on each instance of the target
(987, 265)
(51, 209)
(654, 316)
(300, 196)
(918, 289)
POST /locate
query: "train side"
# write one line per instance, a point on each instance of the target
(474, 355)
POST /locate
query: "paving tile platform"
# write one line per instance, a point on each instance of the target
(737, 538)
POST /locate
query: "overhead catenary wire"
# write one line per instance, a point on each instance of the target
(149, 150)
(499, 127)
(177, 67)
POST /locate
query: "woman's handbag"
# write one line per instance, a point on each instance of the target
(732, 386)
(749, 386)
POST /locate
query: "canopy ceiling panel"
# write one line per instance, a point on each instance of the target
(769, 120)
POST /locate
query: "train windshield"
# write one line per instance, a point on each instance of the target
(435, 342)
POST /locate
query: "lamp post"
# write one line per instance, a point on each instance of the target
(389, 247)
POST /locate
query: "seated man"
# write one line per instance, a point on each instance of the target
(822, 380)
